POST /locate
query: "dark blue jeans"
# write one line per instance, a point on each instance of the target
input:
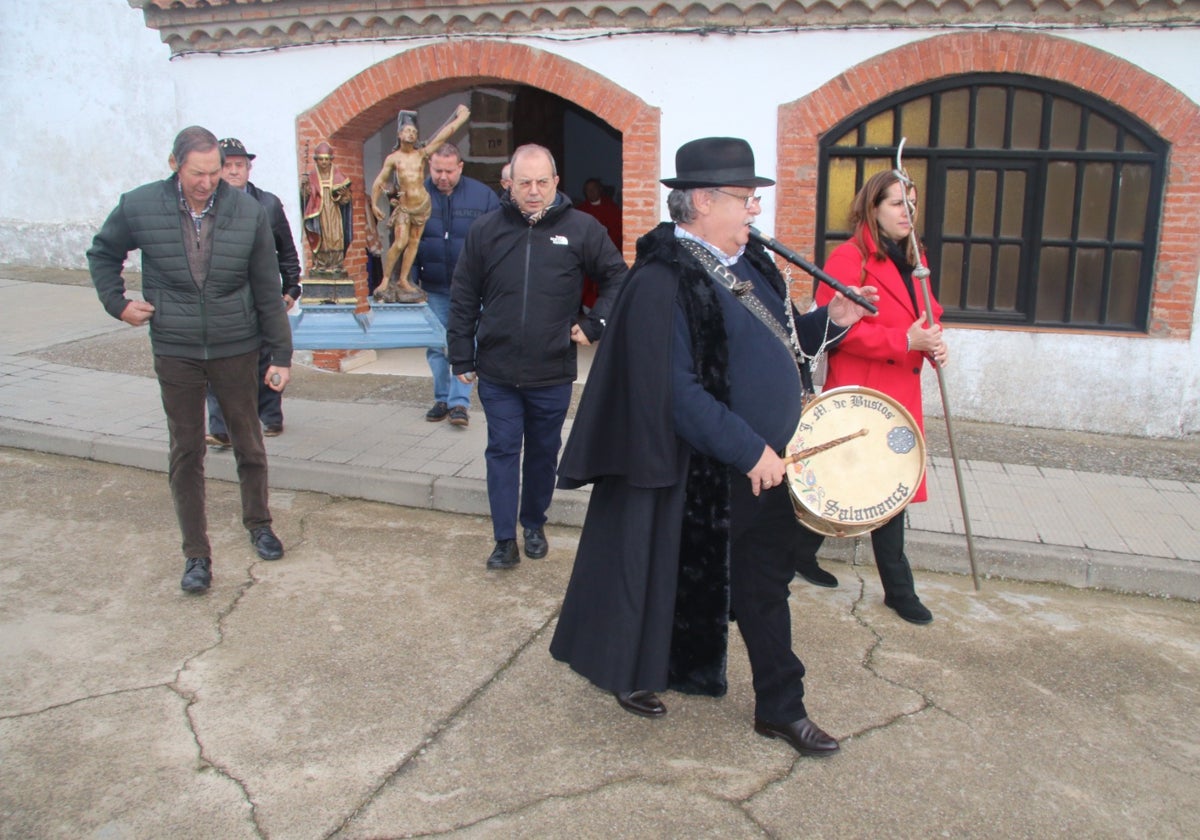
(534, 416)
(446, 387)
(270, 401)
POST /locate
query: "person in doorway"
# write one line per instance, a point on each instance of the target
(693, 393)
(210, 283)
(886, 352)
(236, 172)
(596, 203)
(458, 201)
(514, 323)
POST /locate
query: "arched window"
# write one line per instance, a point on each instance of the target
(1038, 202)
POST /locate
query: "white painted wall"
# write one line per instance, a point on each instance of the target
(89, 111)
(99, 117)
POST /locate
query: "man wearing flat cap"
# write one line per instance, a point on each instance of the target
(235, 172)
(691, 396)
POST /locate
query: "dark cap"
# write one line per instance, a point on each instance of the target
(715, 162)
(232, 147)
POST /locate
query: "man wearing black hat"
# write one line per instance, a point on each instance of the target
(236, 173)
(692, 395)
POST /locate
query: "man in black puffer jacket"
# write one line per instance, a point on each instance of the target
(514, 322)
(236, 172)
(210, 279)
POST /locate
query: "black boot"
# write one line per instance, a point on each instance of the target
(807, 544)
(899, 591)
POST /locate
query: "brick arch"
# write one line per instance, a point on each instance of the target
(355, 110)
(1167, 111)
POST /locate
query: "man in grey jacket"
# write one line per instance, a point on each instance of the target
(210, 283)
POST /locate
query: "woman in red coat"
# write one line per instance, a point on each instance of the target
(885, 352)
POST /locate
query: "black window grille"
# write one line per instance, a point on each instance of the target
(1038, 203)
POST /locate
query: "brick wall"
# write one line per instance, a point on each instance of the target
(1174, 116)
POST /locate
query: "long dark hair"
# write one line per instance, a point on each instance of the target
(862, 218)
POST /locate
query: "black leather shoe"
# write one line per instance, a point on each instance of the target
(536, 544)
(197, 575)
(266, 543)
(805, 736)
(459, 417)
(218, 440)
(910, 609)
(817, 576)
(504, 555)
(644, 703)
(273, 430)
(438, 412)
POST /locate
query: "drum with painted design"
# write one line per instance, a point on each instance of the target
(855, 461)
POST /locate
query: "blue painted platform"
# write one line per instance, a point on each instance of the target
(334, 326)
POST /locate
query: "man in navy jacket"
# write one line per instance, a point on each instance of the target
(457, 202)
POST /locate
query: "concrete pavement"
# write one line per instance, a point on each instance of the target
(377, 682)
(1034, 523)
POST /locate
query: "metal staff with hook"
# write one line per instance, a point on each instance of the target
(921, 273)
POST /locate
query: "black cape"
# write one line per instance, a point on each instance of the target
(647, 606)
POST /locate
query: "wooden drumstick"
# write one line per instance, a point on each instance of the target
(821, 447)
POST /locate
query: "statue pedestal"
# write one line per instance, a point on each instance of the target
(328, 287)
(383, 326)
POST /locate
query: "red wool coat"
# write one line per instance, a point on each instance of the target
(874, 353)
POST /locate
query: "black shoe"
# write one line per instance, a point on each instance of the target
(459, 416)
(504, 555)
(805, 736)
(438, 412)
(197, 575)
(644, 703)
(817, 576)
(273, 430)
(266, 543)
(910, 609)
(536, 545)
(218, 440)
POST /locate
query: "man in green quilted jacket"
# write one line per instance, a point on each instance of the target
(210, 283)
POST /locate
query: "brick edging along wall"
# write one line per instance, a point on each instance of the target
(1166, 110)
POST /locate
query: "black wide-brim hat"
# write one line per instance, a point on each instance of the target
(232, 147)
(715, 162)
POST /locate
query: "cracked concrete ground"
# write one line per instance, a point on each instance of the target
(378, 682)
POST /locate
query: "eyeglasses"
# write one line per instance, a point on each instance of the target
(750, 201)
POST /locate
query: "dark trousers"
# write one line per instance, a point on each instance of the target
(763, 533)
(184, 384)
(270, 401)
(534, 416)
(887, 544)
